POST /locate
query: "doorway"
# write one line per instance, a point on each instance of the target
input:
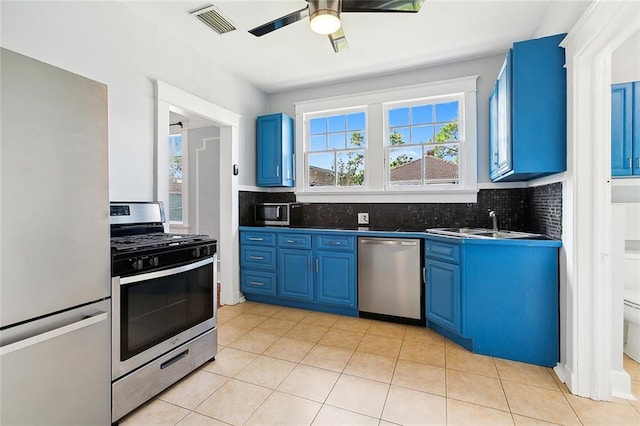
(224, 140)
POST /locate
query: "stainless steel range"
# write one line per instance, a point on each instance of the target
(163, 303)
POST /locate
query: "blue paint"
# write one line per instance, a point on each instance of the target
(274, 150)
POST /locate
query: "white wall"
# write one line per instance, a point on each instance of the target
(625, 61)
(204, 181)
(487, 68)
(108, 42)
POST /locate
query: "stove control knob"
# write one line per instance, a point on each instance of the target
(138, 264)
(196, 252)
(154, 261)
(207, 251)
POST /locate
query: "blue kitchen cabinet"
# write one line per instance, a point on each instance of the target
(274, 151)
(625, 129)
(495, 297)
(527, 112)
(443, 294)
(258, 262)
(295, 274)
(313, 270)
(336, 270)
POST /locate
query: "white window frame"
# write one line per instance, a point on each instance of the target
(306, 152)
(173, 224)
(374, 103)
(433, 100)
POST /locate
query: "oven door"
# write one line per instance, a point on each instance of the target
(158, 311)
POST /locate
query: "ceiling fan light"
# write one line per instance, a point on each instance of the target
(324, 22)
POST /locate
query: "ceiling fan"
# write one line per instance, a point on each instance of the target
(324, 16)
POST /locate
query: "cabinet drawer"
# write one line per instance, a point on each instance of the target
(335, 242)
(258, 238)
(294, 241)
(442, 251)
(258, 257)
(258, 282)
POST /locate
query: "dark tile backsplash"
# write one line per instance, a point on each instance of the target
(546, 209)
(534, 210)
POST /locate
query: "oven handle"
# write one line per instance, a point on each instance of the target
(166, 272)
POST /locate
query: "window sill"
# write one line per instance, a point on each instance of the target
(440, 196)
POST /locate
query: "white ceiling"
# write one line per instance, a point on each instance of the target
(294, 56)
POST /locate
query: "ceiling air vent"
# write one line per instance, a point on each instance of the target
(212, 18)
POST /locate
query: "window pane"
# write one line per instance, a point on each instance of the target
(318, 125)
(442, 164)
(321, 169)
(422, 114)
(350, 168)
(398, 117)
(175, 207)
(336, 141)
(356, 139)
(447, 112)
(175, 145)
(447, 132)
(400, 136)
(422, 134)
(318, 143)
(337, 123)
(405, 165)
(355, 121)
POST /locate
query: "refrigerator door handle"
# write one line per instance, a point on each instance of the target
(48, 335)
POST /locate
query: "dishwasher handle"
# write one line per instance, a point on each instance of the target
(388, 242)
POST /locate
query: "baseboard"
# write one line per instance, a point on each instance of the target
(621, 385)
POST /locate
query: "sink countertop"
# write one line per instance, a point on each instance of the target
(400, 233)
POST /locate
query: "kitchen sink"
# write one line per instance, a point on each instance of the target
(483, 233)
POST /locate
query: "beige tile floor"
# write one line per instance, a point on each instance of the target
(284, 366)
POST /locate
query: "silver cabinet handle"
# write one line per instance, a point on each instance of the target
(277, 171)
(638, 161)
(256, 257)
(256, 239)
(48, 335)
(317, 265)
(630, 163)
(308, 264)
(334, 243)
(290, 241)
(256, 283)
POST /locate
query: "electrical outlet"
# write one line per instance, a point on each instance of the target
(363, 218)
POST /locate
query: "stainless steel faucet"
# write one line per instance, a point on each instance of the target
(493, 216)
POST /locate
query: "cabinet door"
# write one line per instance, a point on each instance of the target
(493, 131)
(444, 294)
(621, 129)
(295, 274)
(502, 156)
(636, 129)
(336, 278)
(269, 149)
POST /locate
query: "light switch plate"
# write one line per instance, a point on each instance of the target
(363, 218)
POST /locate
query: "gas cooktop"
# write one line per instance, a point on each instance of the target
(159, 239)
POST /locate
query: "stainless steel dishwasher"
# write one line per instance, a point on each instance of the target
(390, 279)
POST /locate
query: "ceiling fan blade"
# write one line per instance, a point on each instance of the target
(407, 6)
(338, 41)
(280, 22)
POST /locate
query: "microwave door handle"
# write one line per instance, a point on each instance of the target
(278, 215)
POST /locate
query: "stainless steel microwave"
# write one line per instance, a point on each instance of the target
(278, 214)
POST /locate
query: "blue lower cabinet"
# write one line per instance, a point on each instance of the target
(498, 299)
(258, 282)
(295, 276)
(336, 278)
(314, 270)
(443, 294)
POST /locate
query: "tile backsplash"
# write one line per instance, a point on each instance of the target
(536, 210)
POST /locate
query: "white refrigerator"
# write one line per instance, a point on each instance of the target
(54, 246)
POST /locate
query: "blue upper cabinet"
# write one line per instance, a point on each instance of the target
(625, 129)
(527, 110)
(274, 157)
